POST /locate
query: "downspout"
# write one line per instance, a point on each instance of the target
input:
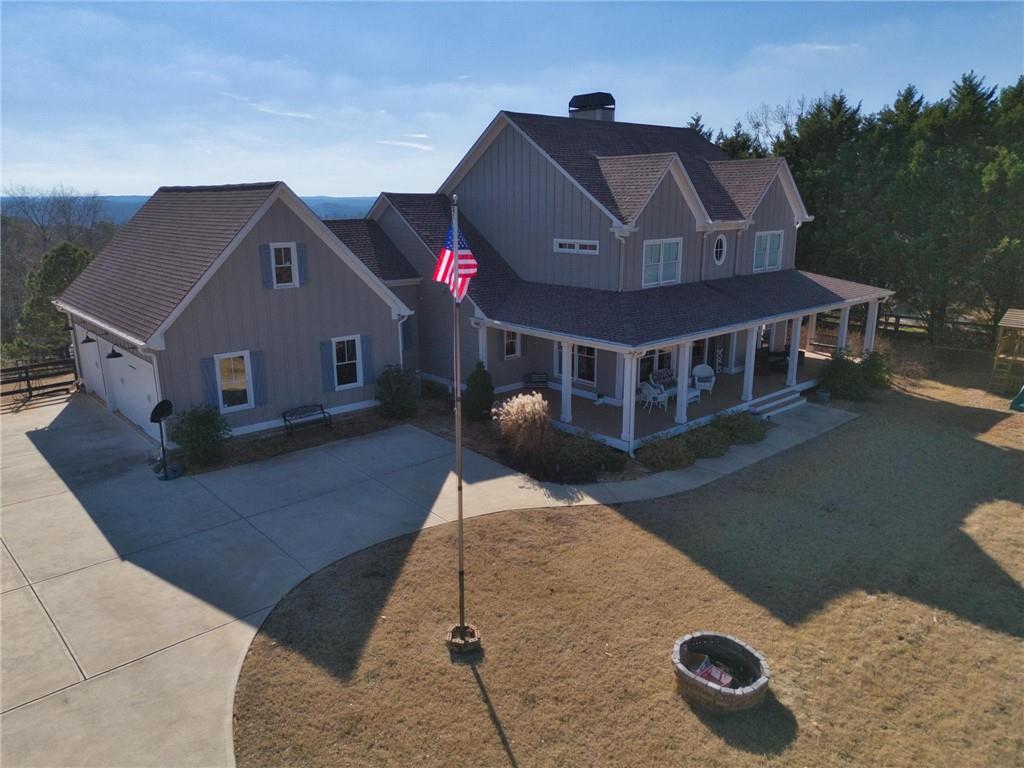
(621, 232)
(74, 346)
(401, 343)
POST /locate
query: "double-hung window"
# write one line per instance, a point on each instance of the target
(662, 260)
(768, 251)
(348, 367)
(284, 265)
(512, 342)
(584, 363)
(234, 381)
(572, 245)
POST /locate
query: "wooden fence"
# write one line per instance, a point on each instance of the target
(37, 378)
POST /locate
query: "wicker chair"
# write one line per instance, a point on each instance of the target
(704, 378)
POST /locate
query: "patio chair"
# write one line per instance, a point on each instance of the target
(704, 378)
(650, 397)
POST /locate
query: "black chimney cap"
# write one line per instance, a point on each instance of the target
(595, 100)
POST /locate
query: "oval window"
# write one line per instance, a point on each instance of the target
(720, 247)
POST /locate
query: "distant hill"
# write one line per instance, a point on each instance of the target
(120, 208)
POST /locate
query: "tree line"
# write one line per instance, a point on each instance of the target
(926, 198)
(47, 238)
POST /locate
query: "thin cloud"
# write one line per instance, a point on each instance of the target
(408, 144)
(415, 135)
(262, 106)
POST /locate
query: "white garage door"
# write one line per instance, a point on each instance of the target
(89, 364)
(133, 388)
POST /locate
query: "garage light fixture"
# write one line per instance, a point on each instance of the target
(88, 339)
(113, 354)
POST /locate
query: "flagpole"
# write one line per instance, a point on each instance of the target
(458, 416)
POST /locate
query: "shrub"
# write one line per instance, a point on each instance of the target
(434, 390)
(202, 434)
(707, 442)
(567, 458)
(877, 369)
(397, 390)
(844, 378)
(674, 453)
(478, 399)
(741, 428)
(523, 423)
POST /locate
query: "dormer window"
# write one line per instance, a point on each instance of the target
(589, 247)
(768, 251)
(662, 259)
(284, 265)
(720, 250)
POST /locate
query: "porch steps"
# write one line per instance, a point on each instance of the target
(781, 402)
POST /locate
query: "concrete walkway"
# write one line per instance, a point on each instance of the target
(128, 604)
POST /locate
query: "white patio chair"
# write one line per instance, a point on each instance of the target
(704, 378)
(650, 397)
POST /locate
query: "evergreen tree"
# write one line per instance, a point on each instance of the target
(41, 326)
(697, 124)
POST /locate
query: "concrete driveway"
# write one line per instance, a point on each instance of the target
(128, 603)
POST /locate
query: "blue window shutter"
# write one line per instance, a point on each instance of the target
(259, 377)
(266, 268)
(366, 359)
(522, 345)
(210, 394)
(300, 254)
(328, 375)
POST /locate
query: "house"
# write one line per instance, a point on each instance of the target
(608, 251)
(240, 297)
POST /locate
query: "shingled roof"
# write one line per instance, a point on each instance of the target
(746, 181)
(372, 246)
(139, 278)
(629, 318)
(578, 146)
(632, 179)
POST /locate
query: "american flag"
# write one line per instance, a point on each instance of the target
(457, 280)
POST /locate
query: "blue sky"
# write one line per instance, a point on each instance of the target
(350, 99)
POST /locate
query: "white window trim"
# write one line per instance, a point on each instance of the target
(558, 361)
(725, 249)
(679, 262)
(519, 345)
(293, 247)
(572, 245)
(767, 234)
(359, 362)
(250, 401)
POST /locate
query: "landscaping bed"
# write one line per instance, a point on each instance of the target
(855, 576)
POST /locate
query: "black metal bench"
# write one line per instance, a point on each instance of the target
(535, 380)
(305, 414)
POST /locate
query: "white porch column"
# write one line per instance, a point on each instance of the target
(794, 352)
(481, 334)
(812, 327)
(629, 370)
(683, 353)
(731, 366)
(748, 365)
(567, 382)
(869, 329)
(844, 327)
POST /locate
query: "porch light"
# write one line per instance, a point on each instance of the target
(88, 339)
(113, 354)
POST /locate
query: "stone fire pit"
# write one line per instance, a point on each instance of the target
(748, 668)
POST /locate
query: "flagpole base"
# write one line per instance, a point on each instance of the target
(463, 641)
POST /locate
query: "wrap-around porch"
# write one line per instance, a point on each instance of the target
(754, 368)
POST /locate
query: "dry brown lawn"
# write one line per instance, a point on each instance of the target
(879, 569)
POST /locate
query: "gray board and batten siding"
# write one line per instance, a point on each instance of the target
(286, 326)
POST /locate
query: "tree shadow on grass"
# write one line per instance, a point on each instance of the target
(767, 730)
(878, 505)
